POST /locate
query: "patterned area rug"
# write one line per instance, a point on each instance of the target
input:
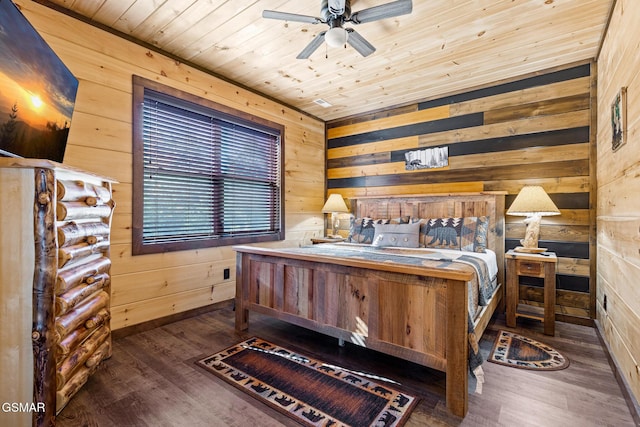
(308, 390)
(518, 351)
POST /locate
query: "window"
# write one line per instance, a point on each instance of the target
(203, 174)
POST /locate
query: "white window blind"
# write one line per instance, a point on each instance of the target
(207, 175)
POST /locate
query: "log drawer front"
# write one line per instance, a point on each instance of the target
(62, 282)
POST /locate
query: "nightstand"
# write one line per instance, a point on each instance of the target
(531, 265)
(316, 240)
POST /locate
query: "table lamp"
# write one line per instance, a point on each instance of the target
(335, 204)
(534, 203)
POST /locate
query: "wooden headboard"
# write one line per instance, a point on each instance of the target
(444, 205)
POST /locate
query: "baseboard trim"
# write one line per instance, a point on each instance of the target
(632, 403)
(156, 323)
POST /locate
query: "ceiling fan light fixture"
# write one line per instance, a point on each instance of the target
(336, 37)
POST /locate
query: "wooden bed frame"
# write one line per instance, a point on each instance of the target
(414, 313)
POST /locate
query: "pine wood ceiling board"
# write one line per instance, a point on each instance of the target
(165, 15)
(86, 8)
(516, 32)
(344, 70)
(191, 16)
(283, 40)
(237, 39)
(231, 17)
(210, 19)
(255, 38)
(239, 57)
(464, 43)
(288, 77)
(107, 14)
(136, 14)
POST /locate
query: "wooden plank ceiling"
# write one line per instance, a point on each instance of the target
(443, 47)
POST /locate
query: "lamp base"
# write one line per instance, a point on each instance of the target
(529, 250)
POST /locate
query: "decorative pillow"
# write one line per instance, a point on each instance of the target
(464, 234)
(361, 230)
(400, 235)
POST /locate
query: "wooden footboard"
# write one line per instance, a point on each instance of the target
(418, 315)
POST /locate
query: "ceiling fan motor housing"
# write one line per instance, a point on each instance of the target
(332, 9)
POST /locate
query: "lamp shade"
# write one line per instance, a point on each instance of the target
(533, 200)
(335, 203)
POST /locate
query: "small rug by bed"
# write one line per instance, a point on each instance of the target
(309, 391)
(518, 351)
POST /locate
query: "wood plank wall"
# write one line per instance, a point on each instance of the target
(618, 210)
(534, 130)
(152, 286)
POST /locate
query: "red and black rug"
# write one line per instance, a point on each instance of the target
(308, 390)
(519, 351)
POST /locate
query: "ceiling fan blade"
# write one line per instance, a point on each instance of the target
(311, 47)
(359, 43)
(389, 10)
(284, 16)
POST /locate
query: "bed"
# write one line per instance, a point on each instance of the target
(385, 298)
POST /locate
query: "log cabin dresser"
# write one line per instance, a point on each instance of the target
(55, 264)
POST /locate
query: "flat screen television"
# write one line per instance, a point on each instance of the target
(37, 91)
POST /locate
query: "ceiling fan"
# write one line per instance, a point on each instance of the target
(335, 13)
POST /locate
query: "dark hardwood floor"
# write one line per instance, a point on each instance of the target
(152, 380)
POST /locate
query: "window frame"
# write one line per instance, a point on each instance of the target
(141, 84)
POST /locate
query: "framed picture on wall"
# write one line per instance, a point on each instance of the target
(619, 119)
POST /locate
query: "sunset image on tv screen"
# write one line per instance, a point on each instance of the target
(37, 91)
